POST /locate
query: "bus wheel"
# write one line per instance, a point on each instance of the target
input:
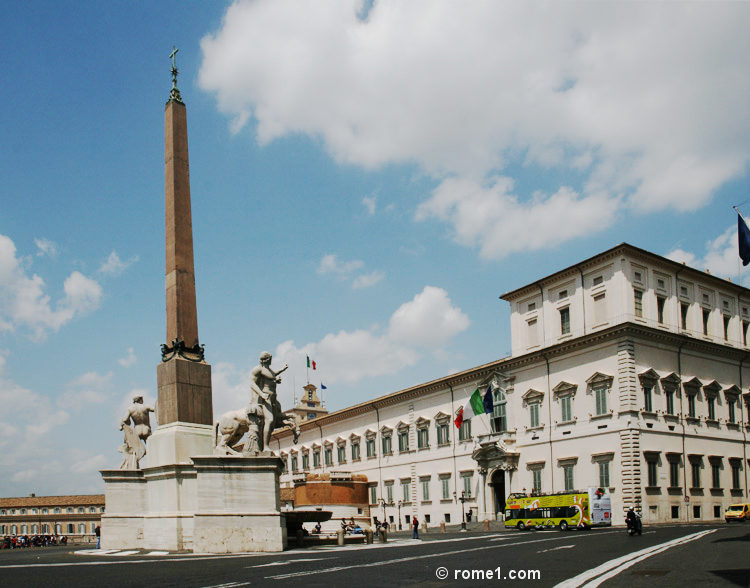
(563, 526)
(520, 526)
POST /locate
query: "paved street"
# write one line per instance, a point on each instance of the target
(668, 556)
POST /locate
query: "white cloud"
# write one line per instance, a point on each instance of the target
(428, 321)
(621, 95)
(345, 270)
(330, 264)
(87, 389)
(114, 266)
(367, 280)
(491, 217)
(24, 303)
(89, 464)
(721, 256)
(129, 359)
(369, 203)
(230, 387)
(46, 247)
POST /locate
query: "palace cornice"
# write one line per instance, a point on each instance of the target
(631, 252)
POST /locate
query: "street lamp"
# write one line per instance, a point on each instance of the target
(399, 515)
(383, 503)
(462, 499)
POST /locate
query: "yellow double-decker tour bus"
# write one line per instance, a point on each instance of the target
(579, 509)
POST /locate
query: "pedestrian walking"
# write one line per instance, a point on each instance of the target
(415, 528)
(98, 532)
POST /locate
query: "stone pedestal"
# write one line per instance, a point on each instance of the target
(176, 443)
(238, 505)
(184, 392)
(207, 505)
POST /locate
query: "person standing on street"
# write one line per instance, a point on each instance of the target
(98, 532)
(415, 528)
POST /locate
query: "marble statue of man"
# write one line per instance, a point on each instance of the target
(134, 447)
(263, 380)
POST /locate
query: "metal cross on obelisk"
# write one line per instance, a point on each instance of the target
(175, 93)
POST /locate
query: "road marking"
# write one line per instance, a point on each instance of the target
(410, 558)
(157, 553)
(284, 563)
(121, 553)
(595, 576)
(556, 548)
(229, 585)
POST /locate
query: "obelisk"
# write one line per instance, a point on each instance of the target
(183, 376)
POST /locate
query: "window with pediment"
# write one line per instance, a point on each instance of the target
(692, 394)
(423, 433)
(671, 386)
(386, 439)
(442, 425)
(564, 393)
(649, 385)
(599, 385)
(711, 393)
(732, 396)
(533, 400)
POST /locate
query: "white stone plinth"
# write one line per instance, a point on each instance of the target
(238, 505)
(122, 523)
(208, 505)
(176, 443)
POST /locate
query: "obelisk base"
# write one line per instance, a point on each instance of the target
(209, 505)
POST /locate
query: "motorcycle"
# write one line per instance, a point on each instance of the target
(634, 525)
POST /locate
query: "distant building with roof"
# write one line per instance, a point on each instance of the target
(75, 516)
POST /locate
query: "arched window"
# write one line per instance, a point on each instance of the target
(58, 529)
(57, 510)
(13, 529)
(82, 528)
(24, 529)
(34, 528)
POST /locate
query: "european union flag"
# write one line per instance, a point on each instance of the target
(323, 386)
(488, 400)
(743, 237)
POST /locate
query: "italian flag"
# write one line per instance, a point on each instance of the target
(310, 363)
(474, 406)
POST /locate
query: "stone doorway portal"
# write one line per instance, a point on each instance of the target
(497, 482)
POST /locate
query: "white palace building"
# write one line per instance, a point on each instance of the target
(628, 371)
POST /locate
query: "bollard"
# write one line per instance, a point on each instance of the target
(382, 536)
(340, 536)
(442, 526)
(300, 538)
(486, 524)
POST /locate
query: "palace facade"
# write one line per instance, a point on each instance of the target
(75, 516)
(628, 371)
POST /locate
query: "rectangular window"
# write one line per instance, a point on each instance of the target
(730, 406)
(675, 512)
(423, 438)
(648, 405)
(329, 456)
(533, 332)
(660, 300)
(706, 314)
(711, 402)
(305, 461)
(674, 474)
(696, 474)
(316, 459)
(373, 495)
(653, 475)
(405, 490)
(670, 401)
(294, 463)
(534, 415)
(499, 418)
(467, 485)
(568, 477)
(726, 328)
(715, 476)
(744, 332)
(371, 448)
(425, 489)
(566, 405)
(683, 315)
(389, 492)
(604, 474)
(600, 308)
(691, 405)
(464, 431)
(600, 394)
(342, 453)
(735, 476)
(403, 440)
(536, 483)
(565, 320)
(387, 445)
(355, 451)
(445, 488)
(442, 434)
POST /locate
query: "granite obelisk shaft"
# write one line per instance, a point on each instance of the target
(184, 379)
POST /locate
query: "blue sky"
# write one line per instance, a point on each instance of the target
(366, 181)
